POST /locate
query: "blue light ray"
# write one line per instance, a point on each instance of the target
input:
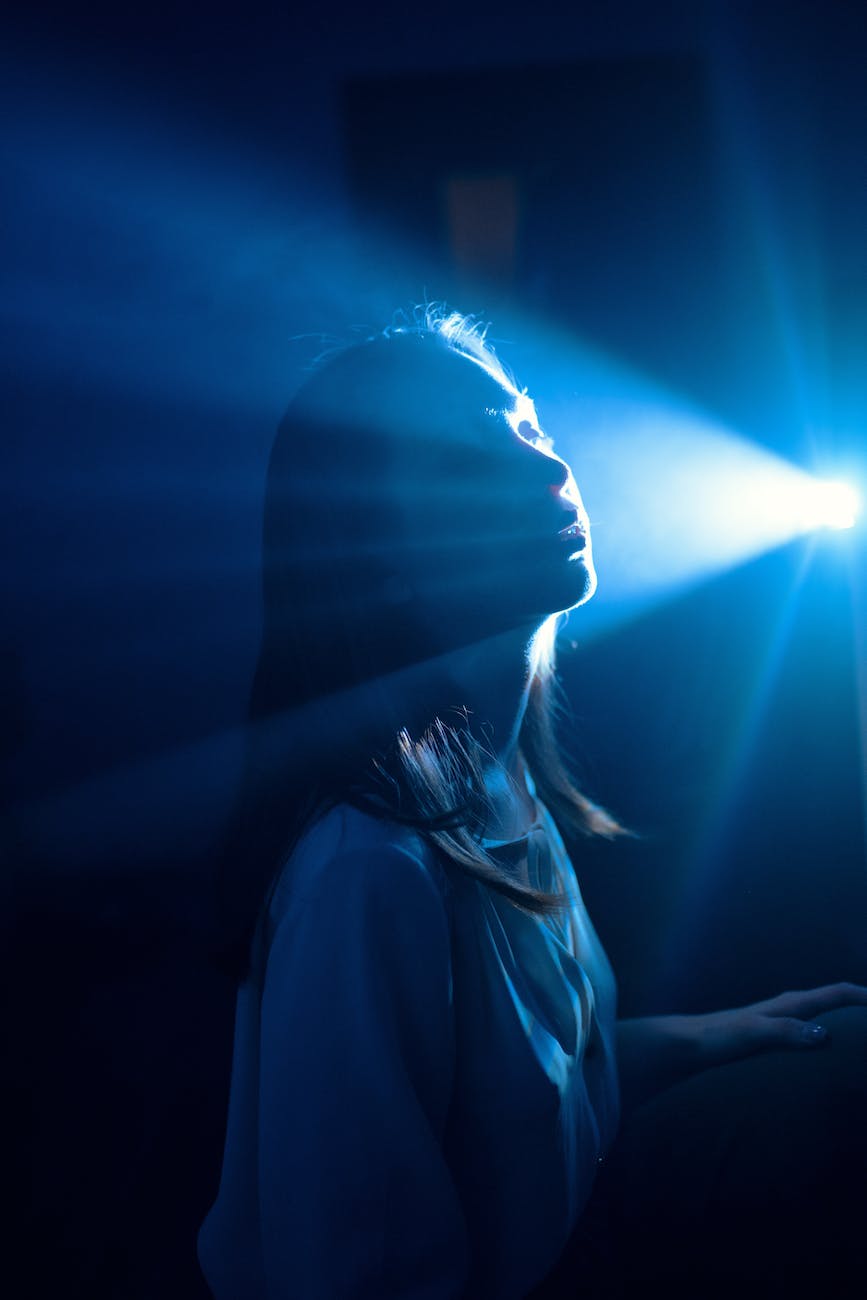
(858, 595)
(792, 276)
(674, 497)
(832, 505)
(704, 857)
(150, 258)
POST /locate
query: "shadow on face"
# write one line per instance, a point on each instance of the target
(406, 514)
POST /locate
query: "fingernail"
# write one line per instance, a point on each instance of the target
(814, 1033)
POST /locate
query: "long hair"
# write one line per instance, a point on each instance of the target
(352, 701)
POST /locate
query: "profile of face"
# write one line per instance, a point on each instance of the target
(413, 505)
(492, 517)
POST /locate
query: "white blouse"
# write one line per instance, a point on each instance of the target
(423, 1082)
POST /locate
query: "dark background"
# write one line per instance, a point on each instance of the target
(194, 199)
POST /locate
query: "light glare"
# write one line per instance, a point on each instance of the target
(832, 505)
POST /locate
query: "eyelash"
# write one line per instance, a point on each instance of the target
(541, 441)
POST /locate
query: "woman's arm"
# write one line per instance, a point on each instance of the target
(357, 1061)
(657, 1051)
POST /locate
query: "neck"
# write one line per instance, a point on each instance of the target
(494, 679)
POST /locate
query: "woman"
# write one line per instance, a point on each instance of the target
(425, 1075)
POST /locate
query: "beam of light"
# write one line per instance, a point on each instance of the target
(674, 496)
(145, 257)
(831, 505)
(188, 786)
(706, 854)
(789, 273)
(184, 276)
(675, 500)
(857, 557)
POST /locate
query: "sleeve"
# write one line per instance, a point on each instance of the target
(357, 1065)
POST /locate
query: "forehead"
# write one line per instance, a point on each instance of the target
(398, 394)
(479, 394)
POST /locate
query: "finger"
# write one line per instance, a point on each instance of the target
(789, 1031)
(807, 1004)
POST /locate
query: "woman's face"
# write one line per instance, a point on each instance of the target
(493, 517)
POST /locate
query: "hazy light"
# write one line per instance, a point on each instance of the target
(831, 505)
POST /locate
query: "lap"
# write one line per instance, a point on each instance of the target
(749, 1175)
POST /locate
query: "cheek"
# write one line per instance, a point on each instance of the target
(461, 497)
(441, 496)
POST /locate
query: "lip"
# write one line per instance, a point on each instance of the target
(574, 534)
(576, 529)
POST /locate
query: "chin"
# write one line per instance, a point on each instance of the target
(580, 584)
(589, 586)
(546, 589)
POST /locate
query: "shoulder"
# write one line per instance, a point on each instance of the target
(360, 905)
(350, 855)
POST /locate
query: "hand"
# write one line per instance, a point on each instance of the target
(656, 1051)
(786, 1021)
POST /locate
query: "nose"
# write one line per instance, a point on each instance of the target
(551, 468)
(553, 472)
(558, 474)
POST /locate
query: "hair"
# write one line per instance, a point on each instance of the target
(351, 700)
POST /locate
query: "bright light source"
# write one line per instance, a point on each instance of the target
(832, 505)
